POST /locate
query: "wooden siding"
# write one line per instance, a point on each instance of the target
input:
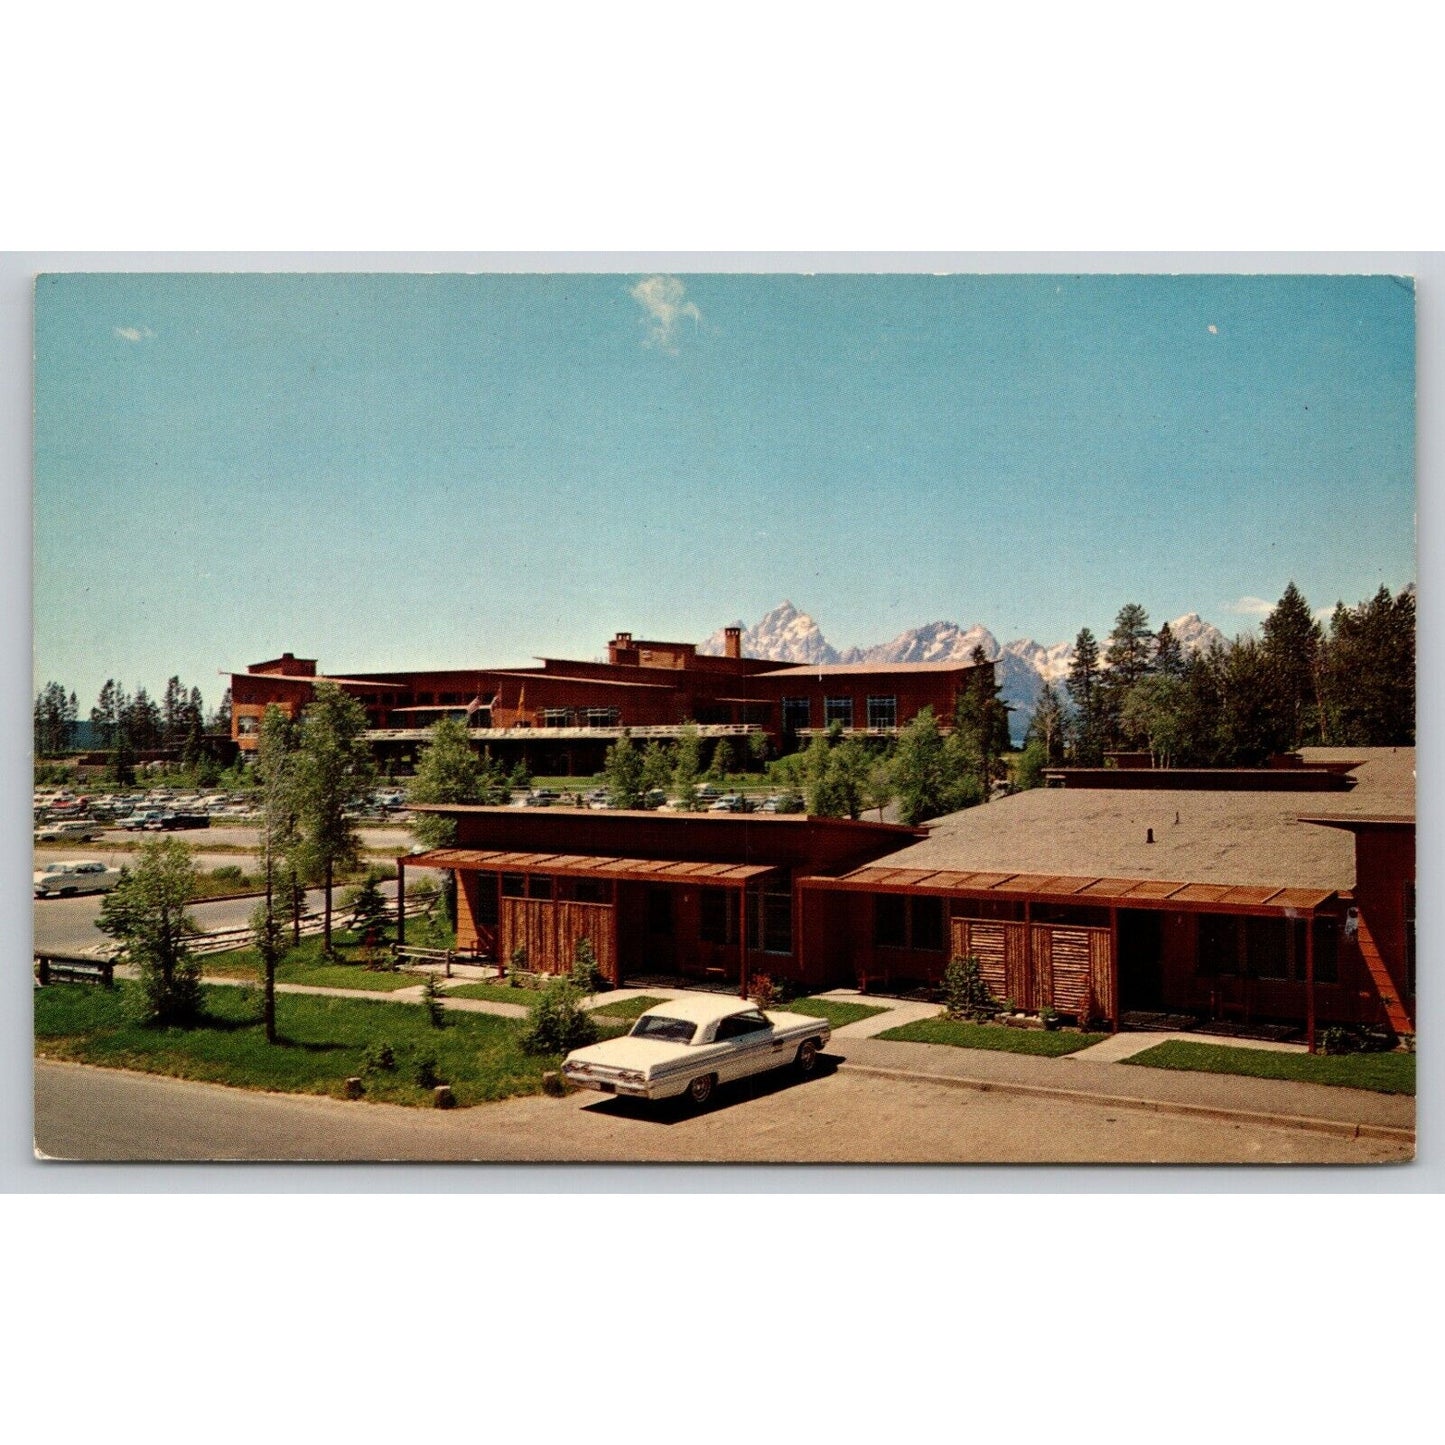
(550, 929)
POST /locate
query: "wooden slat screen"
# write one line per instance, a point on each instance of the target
(550, 929)
(1003, 957)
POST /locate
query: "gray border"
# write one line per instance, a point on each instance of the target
(20, 1172)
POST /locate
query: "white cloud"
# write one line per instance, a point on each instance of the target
(664, 304)
(134, 333)
(1250, 607)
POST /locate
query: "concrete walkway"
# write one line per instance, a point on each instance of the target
(1119, 1047)
(896, 1013)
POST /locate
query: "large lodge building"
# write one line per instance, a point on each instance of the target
(559, 718)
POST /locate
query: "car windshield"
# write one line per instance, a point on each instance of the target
(669, 1031)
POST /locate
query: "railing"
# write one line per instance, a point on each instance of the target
(570, 734)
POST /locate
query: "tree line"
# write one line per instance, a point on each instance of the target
(1234, 705)
(126, 724)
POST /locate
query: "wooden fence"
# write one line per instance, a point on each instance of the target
(1065, 967)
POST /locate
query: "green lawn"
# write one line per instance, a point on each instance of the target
(627, 1008)
(1383, 1073)
(494, 993)
(324, 1042)
(992, 1036)
(306, 964)
(836, 1011)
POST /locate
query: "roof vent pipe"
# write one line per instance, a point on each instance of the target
(1149, 835)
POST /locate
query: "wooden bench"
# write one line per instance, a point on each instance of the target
(74, 968)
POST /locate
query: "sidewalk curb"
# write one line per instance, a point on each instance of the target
(1340, 1128)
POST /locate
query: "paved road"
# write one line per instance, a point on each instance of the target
(837, 1117)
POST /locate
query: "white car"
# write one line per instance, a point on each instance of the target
(76, 875)
(691, 1045)
(75, 830)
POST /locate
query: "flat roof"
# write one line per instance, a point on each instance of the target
(863, 669)
(583, 865)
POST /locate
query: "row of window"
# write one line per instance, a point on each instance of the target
(882, 712)
(581, 717)
(1266, 948)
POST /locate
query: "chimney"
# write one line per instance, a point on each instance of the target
(732, 642)
(619, 644)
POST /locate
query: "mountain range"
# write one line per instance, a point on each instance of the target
(787, 635)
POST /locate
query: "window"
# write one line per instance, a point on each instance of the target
(927, 919)
(556, 717)
(838, 710)
(591, 890)
(601, 717)
(659, 912)
(797, 713)
(487, 906)
(539, 885)
(1327, 950)
(1265, 947)
(890, 921)
(770, 921)
(741, 1025)
(1218, 944)
(514, 885)
(246, 725)
(718, 921)
(882, 712)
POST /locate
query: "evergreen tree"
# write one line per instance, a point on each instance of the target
(724, 759)
(657, 767)
(173, 703)
(1367, 673)
(1128, 657)
(221, 718)
(1168, 653)
(54, 720)
(105, 716)
(1249, 727)
(333, 768)
(1083, 686)
(1047, 726)
(623, 773)
(981, 722)
(1292, 648)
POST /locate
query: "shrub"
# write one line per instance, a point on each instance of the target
(369, 910)
(431, 996)
(558, 1022)
(229, 873)
(426, 1073)
(762, 990)
(585, 972)
(965, 994)
(378, 1057)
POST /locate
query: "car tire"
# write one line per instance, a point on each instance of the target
(807, 1060)
(699, 1092)
(67, 893)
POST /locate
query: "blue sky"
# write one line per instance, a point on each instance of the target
(389, 471)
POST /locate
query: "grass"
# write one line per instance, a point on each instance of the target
(308, 964)
(324, 1042)
(494, 993)
(1383, 1073)
(834, 1010)
(627, 1008)
(992, 1036)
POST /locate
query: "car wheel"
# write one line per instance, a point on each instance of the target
(67, 893)
(807, 1060)
(700, 1090)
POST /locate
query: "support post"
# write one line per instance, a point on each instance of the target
(1310, 982)
(743, 941)
(1115, 1006)
(400, 902)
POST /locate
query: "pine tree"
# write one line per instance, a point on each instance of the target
(981, 721)
(657, 767)
(1168, 653)
(1128, 657)
(688, 767)
(1292, 648)
(1083, 686)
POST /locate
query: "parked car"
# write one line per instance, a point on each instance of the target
(729, 803)
(782, 803)
(144, 820)
(76, 875)
(691, 1045)
(170, 821)
(707, 793)
(74, 830)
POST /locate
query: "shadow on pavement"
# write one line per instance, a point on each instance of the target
(727, 1096)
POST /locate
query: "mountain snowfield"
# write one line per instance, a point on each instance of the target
(787, 635)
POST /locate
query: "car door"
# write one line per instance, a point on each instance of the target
(750, 1044)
